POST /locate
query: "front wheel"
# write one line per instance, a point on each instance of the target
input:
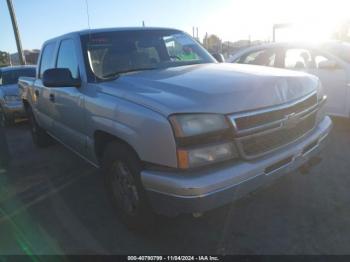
(39, 135)
(122, 170)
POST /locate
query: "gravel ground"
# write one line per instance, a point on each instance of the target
(52, 202)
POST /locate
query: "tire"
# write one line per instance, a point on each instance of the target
(122, 168)
(40, 137)
(5, 120)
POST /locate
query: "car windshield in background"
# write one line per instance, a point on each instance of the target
(112, 53)
(11, 77)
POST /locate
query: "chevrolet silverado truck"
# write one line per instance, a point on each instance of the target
(172, 130)
(11, 106)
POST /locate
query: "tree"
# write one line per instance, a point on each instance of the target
(213, 44)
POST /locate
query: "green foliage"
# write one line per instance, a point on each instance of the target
(212, 43)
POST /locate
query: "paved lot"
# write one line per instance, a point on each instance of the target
(51, 202)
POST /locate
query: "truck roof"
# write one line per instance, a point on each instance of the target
(113, 29)
(116, 29)
(10, 68)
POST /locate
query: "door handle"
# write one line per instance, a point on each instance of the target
(52, 98)
(37, 93)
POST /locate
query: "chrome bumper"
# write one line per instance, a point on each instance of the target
(199, 191)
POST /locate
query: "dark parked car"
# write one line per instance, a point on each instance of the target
(11, 106)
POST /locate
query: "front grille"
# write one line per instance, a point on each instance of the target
(264, 143)
(251, 121)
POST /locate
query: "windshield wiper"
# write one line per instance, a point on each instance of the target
(118, 73)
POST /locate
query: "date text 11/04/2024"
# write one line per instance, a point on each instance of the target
(173, 258)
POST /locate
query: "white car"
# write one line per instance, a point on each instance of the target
(329, 61)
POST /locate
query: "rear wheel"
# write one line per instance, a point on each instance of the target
(122, 169)
(39, 135)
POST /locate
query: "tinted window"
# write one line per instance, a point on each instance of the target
(262, 57)
(47, 58)
(67, 57)
(11, 77)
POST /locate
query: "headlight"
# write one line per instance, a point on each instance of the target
(11, 98)
(320, 91)
(202, 139)
(197, 124)
(206, 155)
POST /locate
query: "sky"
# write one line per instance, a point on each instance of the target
(39, 20)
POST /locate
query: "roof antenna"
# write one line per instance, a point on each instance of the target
(88, 20)
(88, 13)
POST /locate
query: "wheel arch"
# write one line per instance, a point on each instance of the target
(103, 138)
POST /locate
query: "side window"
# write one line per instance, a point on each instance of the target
(262, 57)
(320, 58)
(47, 59)
(298, 59)
(67, 57)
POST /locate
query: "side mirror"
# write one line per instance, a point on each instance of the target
(59, 77)
(328, 64)
(219, 57)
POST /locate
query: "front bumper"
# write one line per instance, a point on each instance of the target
(199, 191)
(14, 110)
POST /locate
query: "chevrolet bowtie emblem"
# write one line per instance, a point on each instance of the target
(290, 120)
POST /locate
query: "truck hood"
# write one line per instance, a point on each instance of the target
(9, 90)
(211, 88)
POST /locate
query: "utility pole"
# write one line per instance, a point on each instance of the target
(279, 26)
(16, 32)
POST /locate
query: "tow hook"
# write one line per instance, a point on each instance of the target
(305, 169)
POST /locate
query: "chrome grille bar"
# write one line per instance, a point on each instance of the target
(307, 106)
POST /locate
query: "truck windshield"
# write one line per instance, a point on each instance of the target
(112, 53)
(11, 77)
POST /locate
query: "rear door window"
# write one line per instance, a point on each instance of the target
(67, 57)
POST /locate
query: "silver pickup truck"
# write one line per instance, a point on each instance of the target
(172, 130)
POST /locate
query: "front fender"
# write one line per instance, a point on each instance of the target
(147, 132)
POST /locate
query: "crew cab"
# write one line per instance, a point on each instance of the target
(172, 130)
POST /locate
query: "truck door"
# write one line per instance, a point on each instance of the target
(42, 108)
(69, 119)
